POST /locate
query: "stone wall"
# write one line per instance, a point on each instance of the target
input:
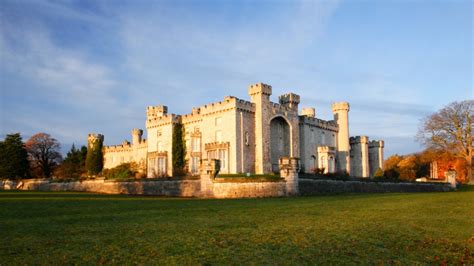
(183, 188)
(315, 187)
(248, 190)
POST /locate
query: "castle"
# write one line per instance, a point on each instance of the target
(249, 137)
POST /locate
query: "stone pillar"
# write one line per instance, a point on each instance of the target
(260, 96)
(341, 116)
(451, 177)
(289, 167)
(209, 169)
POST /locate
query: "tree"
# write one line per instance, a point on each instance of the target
(94, 158)
(450, 130)
(13, 157)
(44, 152)
(178, 149)
(74, 163)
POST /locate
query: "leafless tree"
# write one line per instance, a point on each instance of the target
(450, 130)
(44, 152)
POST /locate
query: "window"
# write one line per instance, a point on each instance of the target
(313, 136)
(196, 144)
(194, 165)
(218, 136)
(161, 169)
(247, 138)
(218, 121)
(158, 133)
(323, 138)
(211, 155)
(223, 158)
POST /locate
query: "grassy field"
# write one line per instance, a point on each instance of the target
(45, 228)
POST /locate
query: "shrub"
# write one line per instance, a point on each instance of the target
(178, 149)
(378, 173)
(122, 171)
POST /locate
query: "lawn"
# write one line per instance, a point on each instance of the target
(58, 228)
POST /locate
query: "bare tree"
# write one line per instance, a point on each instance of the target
(44, 152)
(450, 130)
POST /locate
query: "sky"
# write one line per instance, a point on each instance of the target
(69, 68)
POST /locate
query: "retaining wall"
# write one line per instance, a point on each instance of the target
(181, 188)
(194, 188)
(316, 187)
(248, 190)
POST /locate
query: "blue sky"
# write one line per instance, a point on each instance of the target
(73, 67)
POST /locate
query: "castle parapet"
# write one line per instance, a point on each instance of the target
(376, 144)
(308, 112)
(359, 139)
(156, 111)
(340, 106)
(289, 100)
(260, 88)
(162, 120)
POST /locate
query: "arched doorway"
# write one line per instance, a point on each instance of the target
(279, 140)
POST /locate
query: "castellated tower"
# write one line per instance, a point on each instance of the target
(375, 156)
(156, 111)
(360, 156)
(260, 96)
(92, 138)
(290, 100)
(136, 136)
(341, 116)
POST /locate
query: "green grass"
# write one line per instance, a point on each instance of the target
(58, 228)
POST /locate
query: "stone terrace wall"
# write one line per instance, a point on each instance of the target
(314, 187)
(248, 190)
(182, 188)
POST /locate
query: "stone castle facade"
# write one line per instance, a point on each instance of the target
(250, 137)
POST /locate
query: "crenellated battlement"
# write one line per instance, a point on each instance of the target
(326, 149)
(340, 106)
(156, 111)
(260, 88)
(162, 120)
(320, 123)
(125, 147)
(376, 144)
(359, 139)
(289, 99)
(308, 112)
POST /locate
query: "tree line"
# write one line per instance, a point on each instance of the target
(448, 137)
(40, 157)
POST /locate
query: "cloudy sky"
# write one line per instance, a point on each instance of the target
(73, 67)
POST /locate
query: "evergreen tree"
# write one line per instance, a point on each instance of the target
(74, 163)
(13, 157)
(178, 149)
(94, 158)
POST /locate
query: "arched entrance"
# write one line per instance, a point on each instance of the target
(279, 140)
